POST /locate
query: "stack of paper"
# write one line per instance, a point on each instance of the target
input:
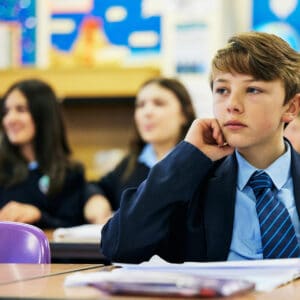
(88, 233)
(265, 274)
(158, 277)
(136, 282)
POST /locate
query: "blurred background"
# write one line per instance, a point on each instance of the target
(96, 54)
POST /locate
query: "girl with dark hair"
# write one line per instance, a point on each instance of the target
(39, 184)
(163, 113)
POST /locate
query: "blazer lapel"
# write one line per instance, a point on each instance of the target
(219, 209)
(295, 166)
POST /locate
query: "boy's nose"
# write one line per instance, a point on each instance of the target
(234, 103)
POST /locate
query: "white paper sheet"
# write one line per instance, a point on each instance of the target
(266, 274)
(88, 233)
(152, 283)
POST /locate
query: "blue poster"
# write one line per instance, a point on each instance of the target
(279, 17)
(103, 31)
(22, 15)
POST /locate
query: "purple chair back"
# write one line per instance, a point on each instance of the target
(23, 243)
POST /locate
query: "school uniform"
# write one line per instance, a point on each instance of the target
(62, 210)
(184, 211)
(113, 184)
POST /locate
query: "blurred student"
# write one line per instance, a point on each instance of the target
(230, 190)
(39, 184)
(163, 113)
(292, 133)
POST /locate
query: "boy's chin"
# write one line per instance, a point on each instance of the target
(235, 143)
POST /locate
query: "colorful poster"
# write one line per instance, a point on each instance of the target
(97, 32)
(18, 25)
(279, 17)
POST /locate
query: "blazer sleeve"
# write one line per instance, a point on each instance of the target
(142, 225)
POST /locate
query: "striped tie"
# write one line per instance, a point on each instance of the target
(276, 228)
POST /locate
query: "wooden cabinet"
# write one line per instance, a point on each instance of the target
(98, 131)
(84, 82)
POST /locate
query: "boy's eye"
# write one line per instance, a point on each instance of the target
(253, 90)
(221, 91)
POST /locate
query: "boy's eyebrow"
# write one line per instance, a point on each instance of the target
(220, 80)
(226, 80)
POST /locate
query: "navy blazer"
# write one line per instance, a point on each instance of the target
(113, 184)
(184, 211)
(64, 209)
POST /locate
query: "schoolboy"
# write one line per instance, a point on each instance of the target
(199, 203)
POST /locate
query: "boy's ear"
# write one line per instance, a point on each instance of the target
(292, 110)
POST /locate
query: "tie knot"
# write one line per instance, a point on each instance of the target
(260, 180)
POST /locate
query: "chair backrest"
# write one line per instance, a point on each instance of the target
(23, 243)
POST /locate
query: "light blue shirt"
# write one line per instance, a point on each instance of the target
(33, 165)
(246, 239)
(148, 156)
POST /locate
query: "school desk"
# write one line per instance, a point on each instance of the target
(19, 272)
(52, 286)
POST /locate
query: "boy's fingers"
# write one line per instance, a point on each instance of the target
(217, 133)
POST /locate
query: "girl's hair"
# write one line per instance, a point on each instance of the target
(265, 56)
(50, 143)
(185, 101)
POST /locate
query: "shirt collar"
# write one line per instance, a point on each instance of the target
(148, 156)
(279, 170)
(33, 165)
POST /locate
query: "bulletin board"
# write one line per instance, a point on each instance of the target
(102, 32)
(279, 17)
(18, 25)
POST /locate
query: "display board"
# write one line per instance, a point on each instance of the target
(103, 32)
(279, 17)
(18, 29)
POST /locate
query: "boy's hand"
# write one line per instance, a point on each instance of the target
(207, 136)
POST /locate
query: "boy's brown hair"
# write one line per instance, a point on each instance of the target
(265, 56)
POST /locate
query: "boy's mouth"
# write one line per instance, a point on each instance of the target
(234, 124)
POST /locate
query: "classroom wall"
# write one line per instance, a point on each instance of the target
(98, 111)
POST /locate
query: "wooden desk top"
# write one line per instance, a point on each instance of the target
(20, 272)
(53, 287)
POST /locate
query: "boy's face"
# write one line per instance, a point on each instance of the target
(250, 112)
